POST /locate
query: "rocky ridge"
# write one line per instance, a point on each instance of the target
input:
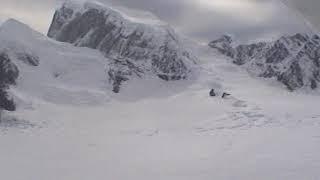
(136, 48)
(292, 60)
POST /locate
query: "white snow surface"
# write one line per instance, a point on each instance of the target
(69, 126)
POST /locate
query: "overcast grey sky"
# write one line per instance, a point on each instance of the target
(201, 19)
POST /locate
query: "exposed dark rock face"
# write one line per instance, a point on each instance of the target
(245, 53)
(293, 77)
(292, 60)
(29, 59)
(224, 46)
(5, 102)
(8, 76)
(60, 18)
(277, 53)
(8, 71)
(120, 71)
(155, 48)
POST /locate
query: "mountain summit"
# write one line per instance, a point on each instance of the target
(135, 48)
(292, 60)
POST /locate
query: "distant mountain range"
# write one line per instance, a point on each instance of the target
(91, 46)
(292, 60)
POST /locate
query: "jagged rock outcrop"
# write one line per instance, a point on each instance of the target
(30, 59)
(120, 71)
(292, 60)
(223, 45)
(8, 76)
(152, 49)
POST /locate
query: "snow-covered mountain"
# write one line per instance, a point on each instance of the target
(39, 69)
(135, 49)
(66, 73)
(292, 60)
(69, 125)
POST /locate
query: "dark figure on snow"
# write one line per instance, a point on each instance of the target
(225, 95)
(212, 93)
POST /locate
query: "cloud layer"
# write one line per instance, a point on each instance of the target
(309, 9)
(200, 19)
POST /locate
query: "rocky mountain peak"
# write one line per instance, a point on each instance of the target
(223, 45)
(153, 49)
(292, 60)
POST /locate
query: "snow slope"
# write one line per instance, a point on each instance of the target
(177, 132)
(266, 134)
(65, 74)
(68, 126)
